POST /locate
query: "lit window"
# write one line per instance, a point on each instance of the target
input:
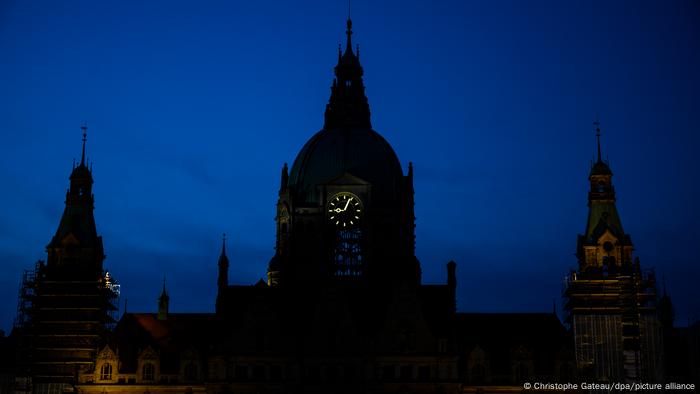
(148, 372)
(106, 372)
(348, 253)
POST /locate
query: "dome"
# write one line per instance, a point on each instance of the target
(361, 152)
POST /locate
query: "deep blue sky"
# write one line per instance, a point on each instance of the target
(193, 108)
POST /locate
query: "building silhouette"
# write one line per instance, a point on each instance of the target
(343, 309)
(66, 304)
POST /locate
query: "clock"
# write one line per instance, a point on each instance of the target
(344, 210)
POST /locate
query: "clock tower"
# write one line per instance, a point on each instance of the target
(345, 209)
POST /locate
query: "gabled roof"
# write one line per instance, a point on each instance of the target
(137, 332)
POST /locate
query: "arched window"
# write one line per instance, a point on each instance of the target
(148, 372)
(106, 372)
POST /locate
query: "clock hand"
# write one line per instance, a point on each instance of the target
(347, 203)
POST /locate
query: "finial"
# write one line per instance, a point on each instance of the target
(349, 33)
(223, 244)
(83, 127)
(164, 292)
(597, 136)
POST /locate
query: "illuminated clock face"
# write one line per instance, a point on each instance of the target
(345, 210)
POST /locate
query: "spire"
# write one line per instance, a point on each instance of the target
(602, 214)
(347, 106)
(84, 129)
(223, 245)
(163, 303)
(599, 167)
(222, 280)
(597, 136)
(348, 33)
(284, 178)
(164, 293)
(78, 218)
(223, 265)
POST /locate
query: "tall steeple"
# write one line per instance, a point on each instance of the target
(71, 293)
(77, 227)
(82, 156)
(601, 197)
(347, 106)
(222, 279)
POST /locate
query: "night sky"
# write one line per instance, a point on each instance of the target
(194, 107)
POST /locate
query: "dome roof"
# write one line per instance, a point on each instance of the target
(361, 152)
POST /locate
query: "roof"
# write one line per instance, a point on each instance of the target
(502, 335)
(361, 152)
(170, 337)
(601, 217)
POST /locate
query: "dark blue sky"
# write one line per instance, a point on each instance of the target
(193, 108)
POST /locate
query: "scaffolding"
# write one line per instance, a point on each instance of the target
(27, 287)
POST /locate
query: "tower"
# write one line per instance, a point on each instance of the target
(71, 298)
(610, 301)
(345, 209)
(343, 300)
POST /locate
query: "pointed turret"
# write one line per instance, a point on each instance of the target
(604, 248)
(223, 266)
(163, 303)
(602, 213)
(348, 106)
(284, 179)
(222, 280)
